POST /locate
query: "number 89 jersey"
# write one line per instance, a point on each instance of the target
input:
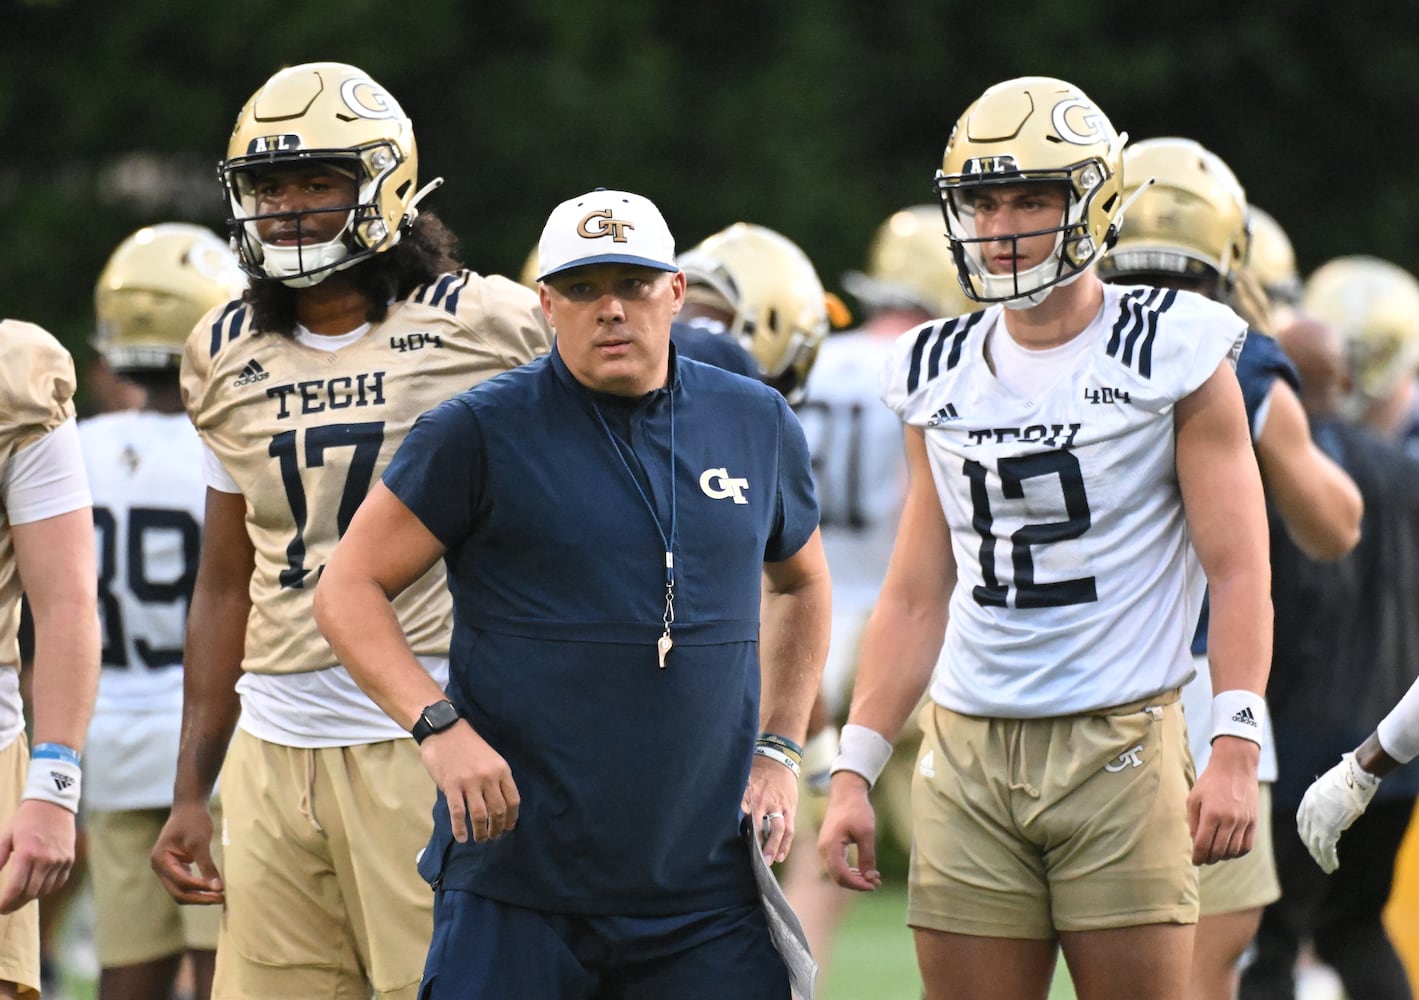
(304, 433)
(1077, 586)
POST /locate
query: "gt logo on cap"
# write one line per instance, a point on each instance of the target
(599, 224)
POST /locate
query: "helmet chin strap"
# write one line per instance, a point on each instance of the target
(1117, 224)
(419, 196)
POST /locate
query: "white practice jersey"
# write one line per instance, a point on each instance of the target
(145, 471)
(860, 470)
(1077, 585)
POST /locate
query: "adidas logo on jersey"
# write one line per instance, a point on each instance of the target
(1245, 718)
(927, 767)
(253, 372)
(944, 415)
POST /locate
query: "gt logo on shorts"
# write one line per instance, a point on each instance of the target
(718, 485)
(1129, 758)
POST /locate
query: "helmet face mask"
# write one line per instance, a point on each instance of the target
(1032, 130)
(775, 303)
(322, 116)
(305, 261)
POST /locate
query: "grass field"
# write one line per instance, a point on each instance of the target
(873, 957)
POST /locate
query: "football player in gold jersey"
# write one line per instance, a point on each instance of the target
(47, 552)
(357, 320)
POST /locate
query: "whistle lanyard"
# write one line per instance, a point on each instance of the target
(664, 644)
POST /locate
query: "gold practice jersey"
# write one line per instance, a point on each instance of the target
(36, 396)
(304, 433)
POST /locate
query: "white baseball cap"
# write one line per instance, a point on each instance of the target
(605, 227)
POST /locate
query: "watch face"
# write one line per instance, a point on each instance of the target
(440, 715)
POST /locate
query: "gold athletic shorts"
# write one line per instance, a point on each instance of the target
(135, 920)
(320, 875)
(1248, 882)
(1025, 827)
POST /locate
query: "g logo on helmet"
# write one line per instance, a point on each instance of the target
(1092, 122)
(368, 99)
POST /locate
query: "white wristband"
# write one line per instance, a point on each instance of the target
(1238, 713)
(54, 780)
(862, 751)
(773, 753)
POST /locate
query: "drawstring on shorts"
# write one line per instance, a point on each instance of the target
(307, 802)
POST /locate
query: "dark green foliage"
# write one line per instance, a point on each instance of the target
(814, 118)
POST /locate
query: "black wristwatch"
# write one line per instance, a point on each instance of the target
(434, 719)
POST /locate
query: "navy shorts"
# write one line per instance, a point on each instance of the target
(486, 950)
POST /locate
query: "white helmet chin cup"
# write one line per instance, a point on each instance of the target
(303, 266)
(1019, 289)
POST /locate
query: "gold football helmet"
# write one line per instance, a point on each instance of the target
(910, 266)
(155, 287)
(1272, 260)
(333, 114)
(1189, 222)
(1033, 129)
(1374, 305)
(767, 286)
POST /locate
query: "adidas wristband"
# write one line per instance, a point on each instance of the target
(1238, 713)
(862, 751)
(54, 776)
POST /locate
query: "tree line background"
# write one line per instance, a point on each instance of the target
(817, 118)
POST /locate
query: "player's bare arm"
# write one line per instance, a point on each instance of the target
(55, 557)
(212, 655)
(793, 644)
(1226, 516)
(386, 549)
(1319, 503)
(899, 649)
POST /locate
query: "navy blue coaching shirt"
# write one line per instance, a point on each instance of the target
(630, 775)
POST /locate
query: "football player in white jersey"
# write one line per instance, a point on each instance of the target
(145, 471)
(1189, 229)
(1079, 459)
(47, 554)
(357, 319)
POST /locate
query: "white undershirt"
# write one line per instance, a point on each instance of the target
(1028, 372)
(42, 481)
(47, 478)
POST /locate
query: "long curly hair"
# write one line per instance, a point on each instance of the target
(427, 249)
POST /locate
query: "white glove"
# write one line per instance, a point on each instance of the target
(1335, 800)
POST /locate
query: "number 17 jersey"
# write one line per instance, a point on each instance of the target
(304, 432)
(1077, 585)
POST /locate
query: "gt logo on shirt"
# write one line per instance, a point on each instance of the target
(718, 485)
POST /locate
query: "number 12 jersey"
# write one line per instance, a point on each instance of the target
(1077, 586)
